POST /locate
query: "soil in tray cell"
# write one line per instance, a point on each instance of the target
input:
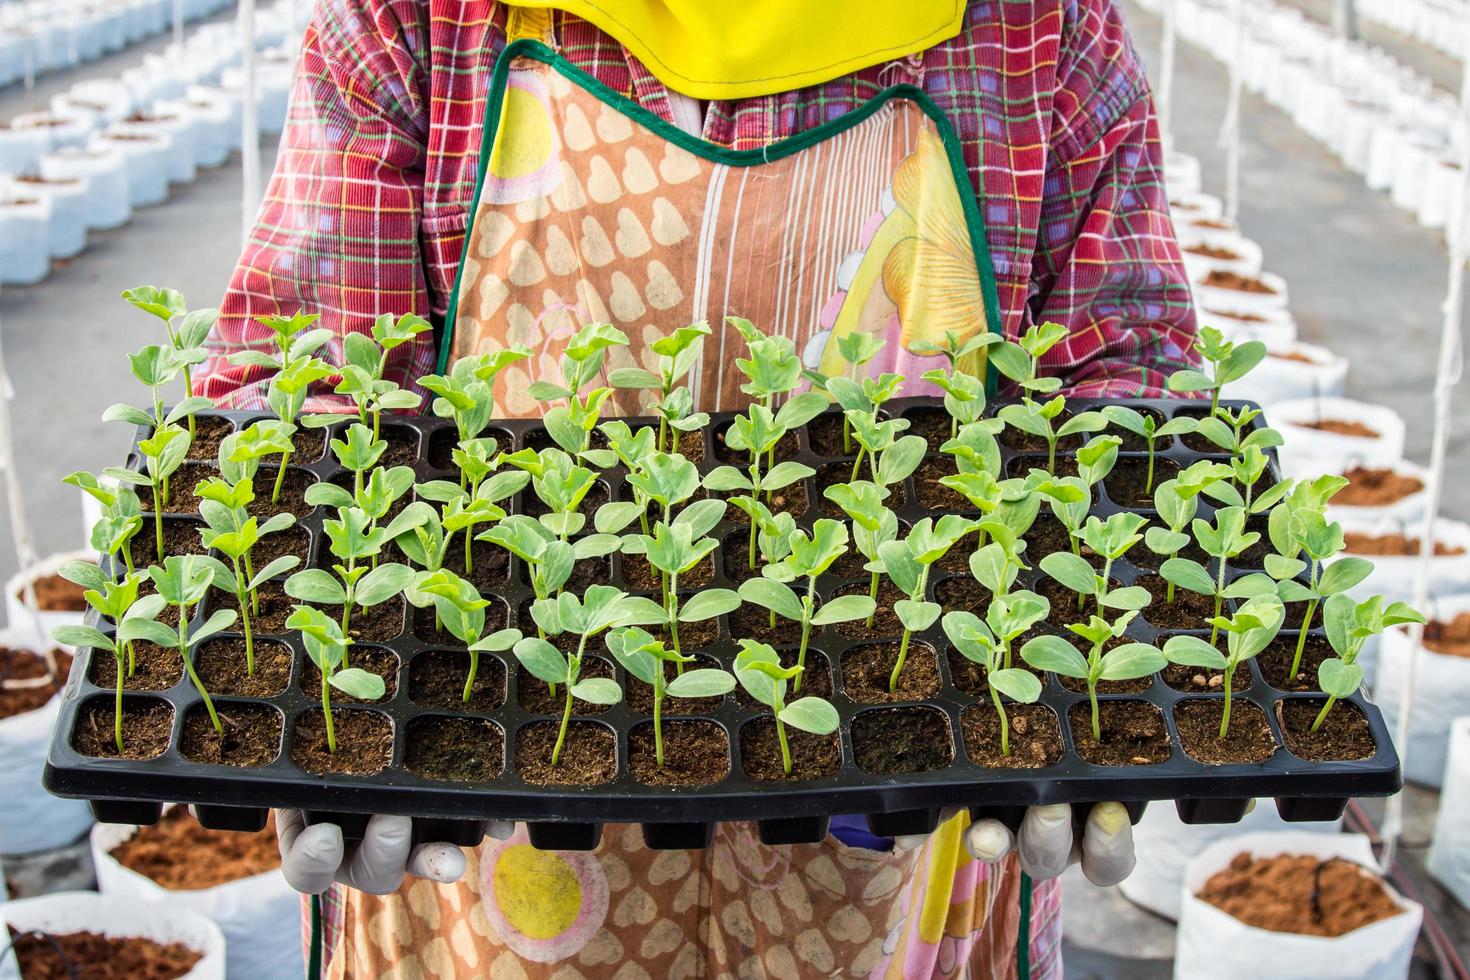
(1023, 441)
(962, 593)
(754, 622)
(735, 551)
(1372, 487)
(1274, 662)
(252, 735)
(933, 495)
(1133, 733)
(816, 678)
(825, 435)
(1064, 606)
(273, 607)
(497, 616)
(1255, 556)
(535, 697)
(1049, 535)
(969, 676)
(309, 445)
(696, 753)
(866, 670)
(436, 679)
(183, 500)
(1248, 739)
(294, 540)
(640, 576)
(786, 449)
(445, 440)
(167, 853)
(220, 664)
(465, 750)
(1344, 735)
(933, 423)
(403, 445)
(1125, 486)
(209, 432)
(885, 620)
(1200, 680)
(1451, 637)
(532, 505)
(155, 668)
(589, 756)
(92, 956)
(1299, 893)
(1133, 443)
(180, 537)
(692, 636)
(640, 696)
(812, 756)
(1035, 736)
(1022, 466)
(894, 741)
(147, 725)
(1188, 611)
(373, 624)
(364, 742)
(791, 500)
(1141, 556)
(23, 665)
(374, 660)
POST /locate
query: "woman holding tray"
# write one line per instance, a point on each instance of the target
(817, 166)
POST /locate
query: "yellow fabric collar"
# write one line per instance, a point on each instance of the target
(714, 49)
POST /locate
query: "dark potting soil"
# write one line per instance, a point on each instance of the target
(735, 549)
(812, 756)
(91, 956)
(640, 695)
(270, 612)
(970, 677)
(403, 445)
(1127, 484)
(252, 735)
(308, 446)
(1133, 443)
(147, 726)
(933, 495)
(1022, 441)
(696, 753)
(816, 678)
(209, 432)
(1200, 680)
(55, 594)
(539, 440)
(934, 424)
(183, 500)
(293, 540)
(786, 449)
(1035, 736)
(364, 742)
(640, 576)
(24, 665)
(1393, 544)
(178, 854)
(791, 500)
(536, 699)
(1248, 739)
(866, 670)
(1299, 893)
(155, 669)
(885, 620)
(1048, 536)
(374, 660)
(180, 537)
(893, 741)
(1274, 661)
(1024, 466)
(529, 503)
(961, 593)
(374, 624)
(1372, 487)
(465, 750)
(1135, 686)
(589, 571)
(589, 756)
(754, 622)
(692, 636)
(497, 617)
(825, 434)
(436, 680)
(1133, 733)
(1064, 606)
(1451, 637)
(444, 441)
(220, 664)
(1344, 734)
(1186, 612)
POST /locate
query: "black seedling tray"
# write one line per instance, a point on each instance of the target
(571, 817)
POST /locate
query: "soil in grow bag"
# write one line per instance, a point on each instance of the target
(55, 594)
(24, 665)
(89, 956)
(1369, 487)
(1358, 543)
(180, 855)
(1451, 637)
(1299, 893)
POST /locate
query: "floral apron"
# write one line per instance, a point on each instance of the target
(590, 208)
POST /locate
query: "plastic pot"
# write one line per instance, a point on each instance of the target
(1405, 510)
(211, 126)
(1441, 187)
(31, 819)
(25, 233)
(1449, 851)
(69, 209)
(1292, 371)
(105, 172)
(251, 912)
(109, 98)
(147, 163)
(67, 912)
(1212, 944)
(1310, 451)
(1441, 692)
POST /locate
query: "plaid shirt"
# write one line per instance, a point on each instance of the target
(366, 211)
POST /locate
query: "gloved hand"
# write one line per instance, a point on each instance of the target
(1045, 844)
(313, 857)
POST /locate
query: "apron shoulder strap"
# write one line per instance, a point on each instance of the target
(529, 22)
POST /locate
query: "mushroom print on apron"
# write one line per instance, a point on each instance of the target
(590, 208)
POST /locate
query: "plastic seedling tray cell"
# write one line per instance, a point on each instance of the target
(787, 812)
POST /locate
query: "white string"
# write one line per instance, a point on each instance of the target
(179, 24)
(1447, 375)
(20, 528)
(1164, 97)
(1229, 137)
(249, 123)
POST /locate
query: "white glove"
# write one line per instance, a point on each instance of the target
(314, 857)
(1046, 846)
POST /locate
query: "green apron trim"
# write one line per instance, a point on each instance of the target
(537, 51)
(1023, 933)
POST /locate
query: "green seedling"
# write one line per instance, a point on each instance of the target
(1227, 361)
(548, 559)
(157, 366)
(1227, 538)
(891, 458)
(183, 582)
(1021, 361)
(1037, 418)
(628, 449)
(1349, 625)
(975, 451)
(677, 354)
(186, 339)
(907, 564)
(1122, 663)
(988, 644)
(757, 431)
(121, 520)
(963, 384)
(562, 484)
(233, 535)
(759, 671)
(644, 657)
(462, 610)
(467, 393)
(601, 609)
(856, 349)
(1147, 427)
(241, 453)
(866, 396)
(571, 424)
(1252, 628)
(873, 525)
(1109, 540)
(996, 563)
(163, 453)
(810, 557)
(1177, 501)
(365, 361)
(478, 498)
(677, 549)
(327, 645)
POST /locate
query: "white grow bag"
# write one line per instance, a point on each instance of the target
(32, 819)
(1441, 693)
(61, 129)
(21, 149)
(257, 915)
(1271, 327)
(1212, 944)
(1241, 301)
(25, 232)
(1449, 851)
(1393, 575)
(16, 613)
(147, 165)
(66, 912)
(69, 203)
(1309, 452)
(1280, 378)
(177, 131)
(1247, 260)
(105, 171)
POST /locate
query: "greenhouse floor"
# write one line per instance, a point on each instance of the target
(1320, 228)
